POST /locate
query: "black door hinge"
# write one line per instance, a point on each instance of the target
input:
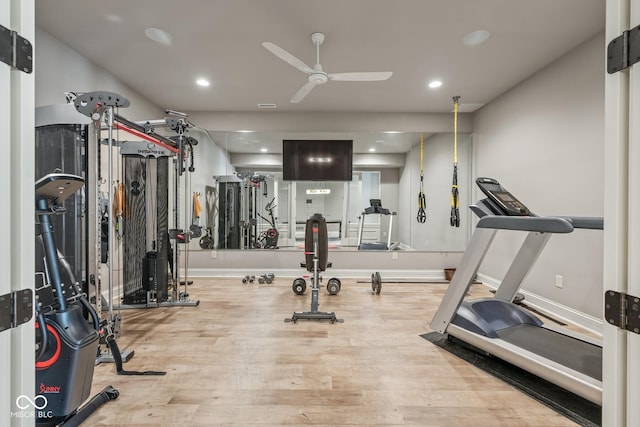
(622, 310)
(16, 308)
(15, 50)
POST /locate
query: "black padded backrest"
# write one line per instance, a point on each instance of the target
(316, 228)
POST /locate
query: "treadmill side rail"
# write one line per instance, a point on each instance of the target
(586, 222)
(527, 223)
(462, 278)
(522, 264)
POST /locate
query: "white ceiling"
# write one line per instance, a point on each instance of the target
(363, 142)
(418, 40)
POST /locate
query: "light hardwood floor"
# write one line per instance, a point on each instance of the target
(234, 361)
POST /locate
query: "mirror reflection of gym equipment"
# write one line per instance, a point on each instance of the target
(242, 210)
(375, 209)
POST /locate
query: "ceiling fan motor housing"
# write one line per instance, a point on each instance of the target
(318, 78)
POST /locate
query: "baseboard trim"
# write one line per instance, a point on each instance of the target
(425, 275)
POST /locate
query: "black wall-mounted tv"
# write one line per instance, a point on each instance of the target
(317, 160)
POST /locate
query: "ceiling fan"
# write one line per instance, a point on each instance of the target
(317, 75)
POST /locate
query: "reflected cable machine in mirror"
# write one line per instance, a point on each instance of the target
(241, 225)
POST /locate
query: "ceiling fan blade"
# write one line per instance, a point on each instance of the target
(361, 77)
(304, 91)
(287, 57)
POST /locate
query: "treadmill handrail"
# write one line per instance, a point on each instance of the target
(586, 222)
(526, 223)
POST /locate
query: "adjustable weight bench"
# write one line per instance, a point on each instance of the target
(316, 248)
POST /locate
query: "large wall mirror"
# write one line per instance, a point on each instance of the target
(249, 206)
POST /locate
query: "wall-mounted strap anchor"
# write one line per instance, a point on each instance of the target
(623, 51)
(16, 308)
(622, 310)
(15, 50)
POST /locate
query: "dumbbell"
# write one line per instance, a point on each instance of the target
(266, 278)
(333, 286)
(248, 279)
(299, 286)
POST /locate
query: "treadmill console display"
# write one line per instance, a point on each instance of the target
(506, 201)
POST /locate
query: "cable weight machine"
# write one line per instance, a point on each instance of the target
(160, 249)
(101, 107)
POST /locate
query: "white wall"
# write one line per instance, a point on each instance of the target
(60, 69)
(544, 141)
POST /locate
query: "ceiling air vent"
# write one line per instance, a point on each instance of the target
(266, 105)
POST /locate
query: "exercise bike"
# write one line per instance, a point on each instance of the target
(66, 343)
(206, 241)
(268, 239)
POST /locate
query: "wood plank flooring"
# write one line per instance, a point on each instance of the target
(234, 361)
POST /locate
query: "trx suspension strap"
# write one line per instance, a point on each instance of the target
(422, 201)
(455, 211)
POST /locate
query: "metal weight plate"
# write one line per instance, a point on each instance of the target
(333, 286)
(299, 286)
(378, 283)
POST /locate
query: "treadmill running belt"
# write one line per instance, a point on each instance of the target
(570, 352)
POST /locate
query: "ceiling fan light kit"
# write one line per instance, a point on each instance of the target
(316, 75)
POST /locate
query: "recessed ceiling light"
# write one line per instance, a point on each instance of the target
(245, 131)
(266, 105)
(159, 36)
(263, 150)
(435, 84)
(474, 38)
(113, 18)
(392, 131)
(203, 82)
(371, 150)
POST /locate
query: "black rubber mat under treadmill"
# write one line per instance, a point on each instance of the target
(570, 405)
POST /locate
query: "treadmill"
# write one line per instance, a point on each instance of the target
(503, 329)
(375, 208)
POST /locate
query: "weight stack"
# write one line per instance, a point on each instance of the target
(154, 276)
